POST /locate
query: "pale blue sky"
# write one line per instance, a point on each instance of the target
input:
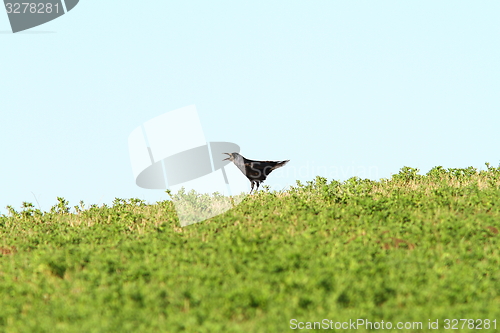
(341, 88)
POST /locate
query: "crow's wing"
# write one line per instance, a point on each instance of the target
(261, 169)
(253, 170)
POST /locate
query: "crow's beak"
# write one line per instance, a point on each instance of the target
(228, 157)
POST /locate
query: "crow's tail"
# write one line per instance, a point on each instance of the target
(280, 164)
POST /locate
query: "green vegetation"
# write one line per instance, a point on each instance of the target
(410, 248)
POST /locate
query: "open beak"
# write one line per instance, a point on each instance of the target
(228, 157)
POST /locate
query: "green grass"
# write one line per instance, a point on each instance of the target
(406, 249)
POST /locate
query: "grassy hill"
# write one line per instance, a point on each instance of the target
(408, 249)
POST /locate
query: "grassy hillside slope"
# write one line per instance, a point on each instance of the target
(406, 249)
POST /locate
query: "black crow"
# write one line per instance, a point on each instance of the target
(255, 171)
